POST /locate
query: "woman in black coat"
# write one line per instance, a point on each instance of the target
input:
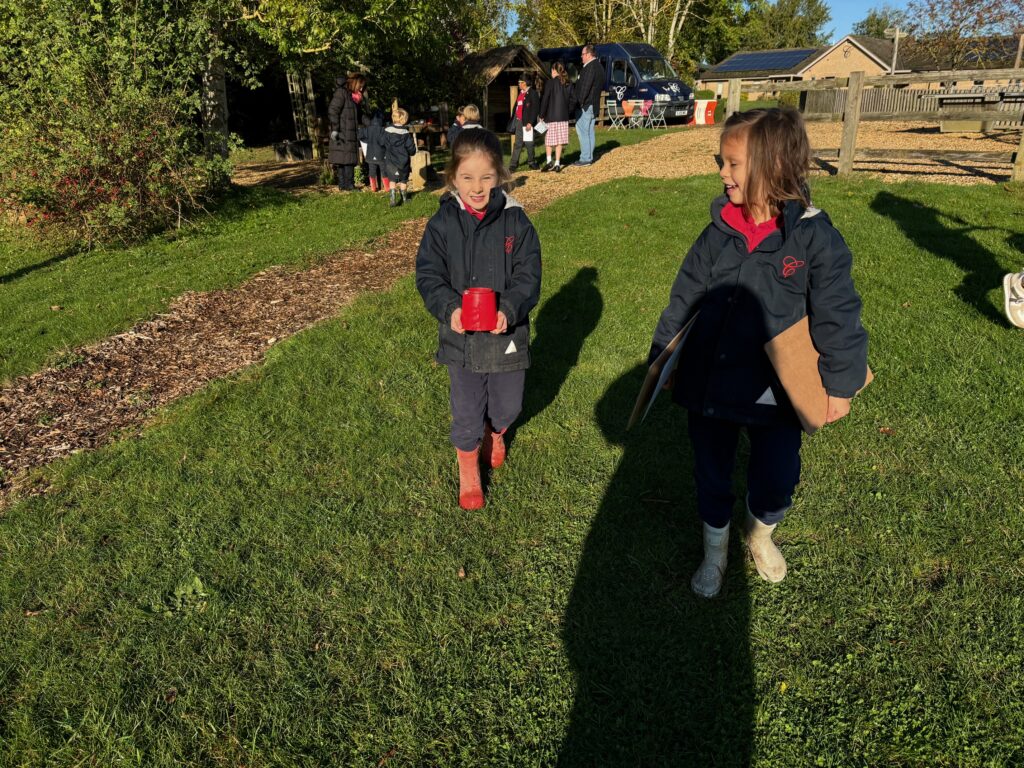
(345, 116)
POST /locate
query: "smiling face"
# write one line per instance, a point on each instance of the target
(475, 177)
(733, 171)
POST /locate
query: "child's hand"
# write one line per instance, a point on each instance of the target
(457, 321)
(502, 324)
(837, 408)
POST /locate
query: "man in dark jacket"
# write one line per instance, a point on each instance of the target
(345, 119)
(523, 119)
(588, 95)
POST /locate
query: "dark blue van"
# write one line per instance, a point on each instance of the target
(632, 71)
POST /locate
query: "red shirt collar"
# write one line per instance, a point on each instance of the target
(737, 218)
(478, 215)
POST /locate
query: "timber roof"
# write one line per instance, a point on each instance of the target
(484, 66)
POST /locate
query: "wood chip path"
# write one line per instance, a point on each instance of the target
(115, 384)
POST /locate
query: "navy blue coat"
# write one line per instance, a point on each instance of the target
(374, 137)
(399, 147)
(746, 299)
(501, 252)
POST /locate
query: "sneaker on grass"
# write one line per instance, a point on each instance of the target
(1013, 295)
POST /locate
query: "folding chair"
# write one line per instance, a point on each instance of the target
(634, 111)
(613, 111)
(656, 117)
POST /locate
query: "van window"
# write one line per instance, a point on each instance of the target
(651, 68)
(619, 72)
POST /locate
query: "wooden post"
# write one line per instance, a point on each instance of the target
(1018, 161)
(1020, 50)
(733, 104)
(851, 120)
(312, 127)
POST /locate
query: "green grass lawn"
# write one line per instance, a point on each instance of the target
(107, 290)
(277, 572)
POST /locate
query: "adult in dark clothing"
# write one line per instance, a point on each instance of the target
(345, 116)
(587, 94)
(523, 119)
(554, 110)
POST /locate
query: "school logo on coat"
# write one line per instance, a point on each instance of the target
(510, 241)
(790, 264)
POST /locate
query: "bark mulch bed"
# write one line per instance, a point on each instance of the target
(113, 385)
(116, 383)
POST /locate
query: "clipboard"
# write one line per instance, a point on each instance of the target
(658, 373)
(795, 359)
(527, 135)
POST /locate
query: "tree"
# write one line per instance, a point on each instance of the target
(786, 24)
(880, 19)
(950, 31)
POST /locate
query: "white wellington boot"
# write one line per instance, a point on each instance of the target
(707, 581)
(771, 565)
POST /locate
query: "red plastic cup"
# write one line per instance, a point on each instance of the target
(479, 309)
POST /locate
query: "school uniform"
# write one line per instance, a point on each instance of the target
(525, 113)
(498, 250)
(554, 110)
(374, 137)
(749, 284)
(399, 147)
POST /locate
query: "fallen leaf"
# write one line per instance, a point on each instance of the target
(170, 695)
(387, 756)
(56, 307)
(887, 430)
(462, 573)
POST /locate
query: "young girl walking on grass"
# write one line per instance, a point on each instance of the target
(766, 260)
(480, 238)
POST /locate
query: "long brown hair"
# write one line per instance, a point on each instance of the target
(778, 155)
(477, 140)
(560, 72)
(355, 82)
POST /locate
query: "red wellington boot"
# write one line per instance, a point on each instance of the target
(492, 449)
(373, 184)
(387, 183)
(471, 492)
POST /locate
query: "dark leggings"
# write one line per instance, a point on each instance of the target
(480, 397)
(772, 474)
(346, 176)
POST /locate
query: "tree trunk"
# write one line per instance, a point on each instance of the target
(215, 108)
(678, 19)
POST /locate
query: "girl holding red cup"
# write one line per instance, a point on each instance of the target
(478, 270)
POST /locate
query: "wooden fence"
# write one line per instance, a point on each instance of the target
(858, 103)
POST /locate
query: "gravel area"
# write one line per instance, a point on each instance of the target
(118, 382)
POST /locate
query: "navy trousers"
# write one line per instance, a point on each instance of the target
(480, 397)
(772, 474)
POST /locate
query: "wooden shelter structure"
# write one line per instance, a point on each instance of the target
(494, 74)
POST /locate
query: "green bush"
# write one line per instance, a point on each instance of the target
(704, 93)
(789, 99)
(99, 112)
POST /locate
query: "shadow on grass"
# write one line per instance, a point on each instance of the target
(663, 678)
(601, 148)
(926, 227)
(562, 325)
(28, 269)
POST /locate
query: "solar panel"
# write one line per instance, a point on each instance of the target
(764, 60)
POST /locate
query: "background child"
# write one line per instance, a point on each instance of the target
(472, 114)
(480, 237)
(767, 259)
(399, 147)
(374, 136)
(554, 110)
(456, 127)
